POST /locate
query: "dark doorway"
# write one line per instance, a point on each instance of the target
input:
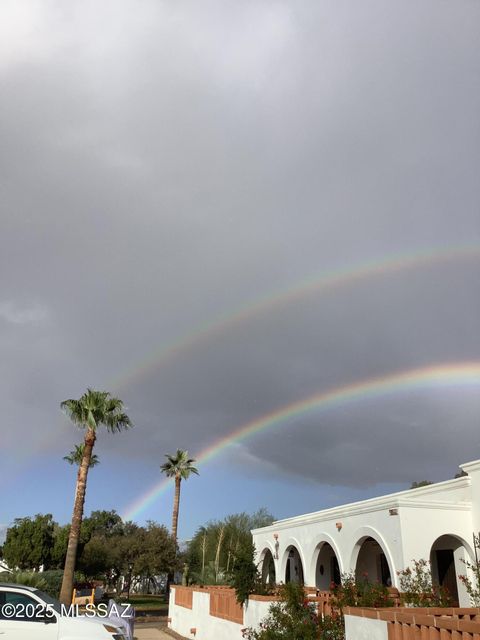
(446, 572)
(294, 568)
(385, 571)
(268, 568)
(335, 569)
(372, 565)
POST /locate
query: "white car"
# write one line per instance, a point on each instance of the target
(27, 613)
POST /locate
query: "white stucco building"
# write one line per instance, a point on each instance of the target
(379, 537)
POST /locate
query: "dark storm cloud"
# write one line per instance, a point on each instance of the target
(164, 163)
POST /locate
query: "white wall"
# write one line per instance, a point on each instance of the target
(357, 628)
(308, 537)
(255, 611)
(423, 515)
(209, 627)
(473, 470)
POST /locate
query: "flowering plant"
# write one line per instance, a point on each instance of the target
(472, 584)
(417, 587)
(295, 618)
(360, 593)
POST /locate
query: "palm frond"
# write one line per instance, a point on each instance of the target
(76, 456)
(179, 465)
(97, 408)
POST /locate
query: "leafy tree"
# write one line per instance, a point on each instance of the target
(180, 467)
(150, 551)
(93, 409)
(156, 551)
(101, 523)
(96, 559)
(29, 542)
(215, 547)
(60, 543)
(105, 523)
(260, 518)
(76, 456)
(422, 483)
(245, 573)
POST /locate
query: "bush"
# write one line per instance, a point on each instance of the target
(417, 588)
(49, 581)
(473, 586)
(245, 573)
(53, 579)
(246, 578)
(27, 578)
(295, 618)
(360, 593)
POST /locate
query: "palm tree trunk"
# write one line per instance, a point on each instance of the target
(80, 490)
(176, 506)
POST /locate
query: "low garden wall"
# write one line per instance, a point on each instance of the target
(412, 624)
(207, 613)
(213, 612)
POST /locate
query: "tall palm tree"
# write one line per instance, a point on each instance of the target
(76, 456)
(93, 409)
(178, 466)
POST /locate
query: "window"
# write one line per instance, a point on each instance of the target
(23, 607)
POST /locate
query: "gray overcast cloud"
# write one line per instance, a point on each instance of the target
(164, 163)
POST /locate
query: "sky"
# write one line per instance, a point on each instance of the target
(179, 184)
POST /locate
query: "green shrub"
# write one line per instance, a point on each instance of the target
(295, 618)
(245, 577)
(360, 593)
(48, 581)
(417, 588)
(53, 579)
(473, 585)
(245, 572)
(27, 578)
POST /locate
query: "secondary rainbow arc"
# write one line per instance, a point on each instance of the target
(329, 280)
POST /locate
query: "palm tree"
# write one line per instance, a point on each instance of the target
(93, 409)
(76, 456)
(179, 466)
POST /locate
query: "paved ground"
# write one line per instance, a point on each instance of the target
(153, 632)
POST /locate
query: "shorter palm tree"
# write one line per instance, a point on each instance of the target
(76, 456)
(178, 466)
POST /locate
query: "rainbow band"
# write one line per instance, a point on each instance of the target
(462, 375)
(322, 283)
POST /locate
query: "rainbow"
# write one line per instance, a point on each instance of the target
(325, 282)
(452, 375)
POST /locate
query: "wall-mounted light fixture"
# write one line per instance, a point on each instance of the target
(277, 546)
(393, 512)
(339, 526)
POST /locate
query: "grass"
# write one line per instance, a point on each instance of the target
(148, 602)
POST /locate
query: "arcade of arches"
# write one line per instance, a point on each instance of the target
(447, 558)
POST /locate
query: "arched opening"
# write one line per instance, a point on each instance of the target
(327, 570)
(293, 568)
(372, 563)
(268, 568)
(447, 558)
